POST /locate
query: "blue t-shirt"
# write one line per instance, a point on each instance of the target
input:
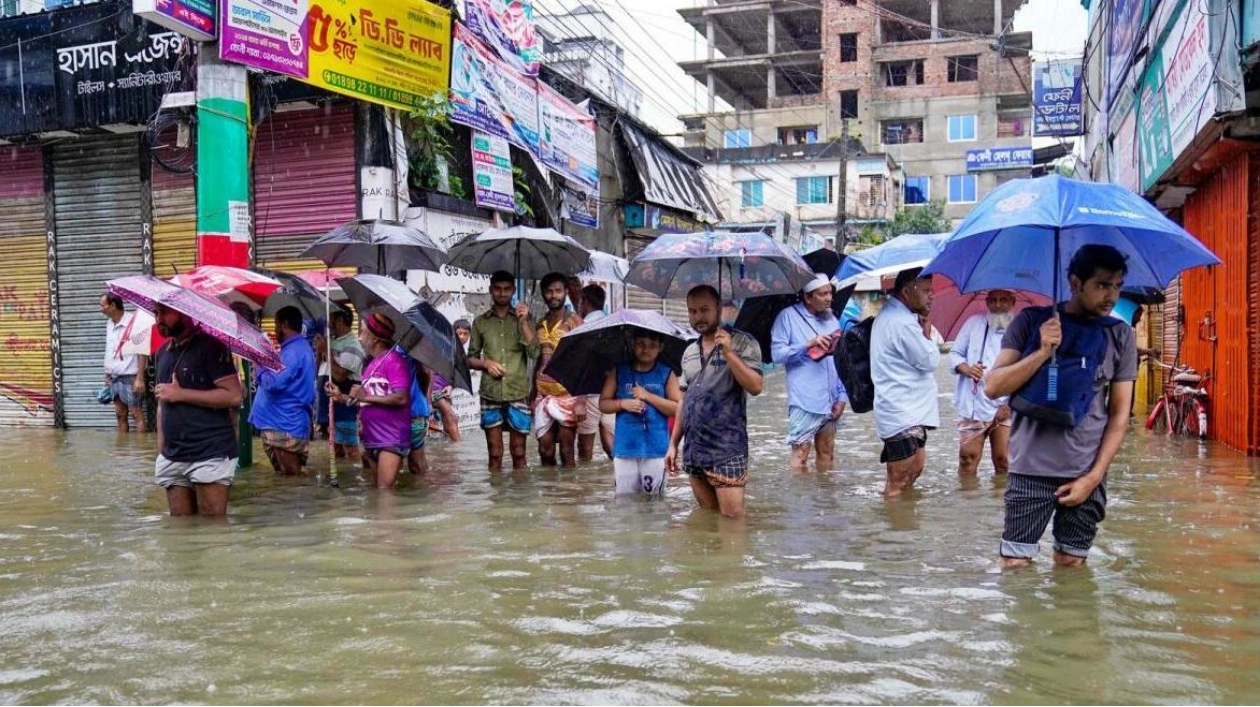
(643, 436)
(419, 398)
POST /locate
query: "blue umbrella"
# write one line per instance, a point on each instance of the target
(906, 248)
(1022, 234)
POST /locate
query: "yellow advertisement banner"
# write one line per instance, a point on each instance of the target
(383, 51)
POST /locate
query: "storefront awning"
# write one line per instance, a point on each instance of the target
(668, 179)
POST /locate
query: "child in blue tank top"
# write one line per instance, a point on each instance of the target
(643, 393)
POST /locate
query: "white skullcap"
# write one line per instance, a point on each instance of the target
(819, 281)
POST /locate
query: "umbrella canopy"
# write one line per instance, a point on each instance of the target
(231, 285)
(586, 354)
(739, 265)
(1142, 295)
(419, 329)
(378, 245)
(757, 314)
(1022, 235)
(896, 252)
(295, 292)
(212, 316)
(608, 268)
(528, 253)
(951, 308)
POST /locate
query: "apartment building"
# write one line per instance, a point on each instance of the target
(940, 90)
(580, 46)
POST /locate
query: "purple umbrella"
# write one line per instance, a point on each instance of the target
(586, 355)
(212, 316)
(739, 265)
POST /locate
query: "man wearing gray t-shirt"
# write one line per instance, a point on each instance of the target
(1060, 472)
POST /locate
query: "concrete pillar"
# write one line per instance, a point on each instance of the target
(771, 87)
(936, 19)
(770, 31)
(997, 17)
(710, 35)
(712, 84)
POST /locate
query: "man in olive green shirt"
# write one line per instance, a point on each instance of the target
(503, 343)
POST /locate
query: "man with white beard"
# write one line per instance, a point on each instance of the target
(979, 417)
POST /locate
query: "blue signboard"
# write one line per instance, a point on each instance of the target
(1057, 99)
(995, 158)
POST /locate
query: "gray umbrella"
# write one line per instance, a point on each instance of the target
(379, 246)
(419, 329)
(528, 253)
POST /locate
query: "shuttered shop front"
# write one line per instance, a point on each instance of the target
(99, 236)
(174, 222)
(26, 386)
(304, 182)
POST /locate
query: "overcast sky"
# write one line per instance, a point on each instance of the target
(655, 37)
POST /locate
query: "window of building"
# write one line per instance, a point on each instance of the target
(751, 193)
(902, 73)
(813, 190)
(962, 128)
(962, 188)
(800, 135)
(848, 47)
(735, 139)
(918, 190)
(875, 190)
(901, 132)
(848, 104)
(963, 68)
(1012, 125)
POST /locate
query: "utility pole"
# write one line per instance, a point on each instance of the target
(842, 191)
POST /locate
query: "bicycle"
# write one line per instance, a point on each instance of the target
(1182, 409)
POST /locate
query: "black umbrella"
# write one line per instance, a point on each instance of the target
(296, 292)
(585, 355)
(419, 329)
(757, 315)
(378, 246)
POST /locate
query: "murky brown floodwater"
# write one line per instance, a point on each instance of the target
(468, 588)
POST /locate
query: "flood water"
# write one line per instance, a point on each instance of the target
(540, 588)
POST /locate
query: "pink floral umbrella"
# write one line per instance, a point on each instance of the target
(211, 316)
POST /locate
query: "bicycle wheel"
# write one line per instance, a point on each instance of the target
(1158, 419)
(1194, 418)
(1172, 417)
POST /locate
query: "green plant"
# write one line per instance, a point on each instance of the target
(521, 193)
(920, 218)
(430, 149)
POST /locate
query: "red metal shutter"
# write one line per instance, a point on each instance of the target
(26, 382)
(304, 179)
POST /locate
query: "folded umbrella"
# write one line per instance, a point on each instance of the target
(211, 316)
(586, 354)
(527, 253)
(419, 329)
(738, 265)
(378, 245)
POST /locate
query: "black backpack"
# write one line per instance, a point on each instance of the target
(853, 363)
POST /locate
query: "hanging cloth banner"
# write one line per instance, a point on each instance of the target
(488, 95)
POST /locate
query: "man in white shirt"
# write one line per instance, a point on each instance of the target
(124, 373)
(591, 309)
(903, 369)
(980, 417)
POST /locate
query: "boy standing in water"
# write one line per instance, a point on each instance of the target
(642, 393)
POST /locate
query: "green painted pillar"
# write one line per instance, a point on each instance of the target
(224, 231)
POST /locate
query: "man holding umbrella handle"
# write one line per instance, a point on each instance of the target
(1059, 472)
(502, 344)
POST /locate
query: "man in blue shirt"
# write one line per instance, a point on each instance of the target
(801, 340)
(285, 401)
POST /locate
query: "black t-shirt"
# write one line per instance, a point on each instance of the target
(193, 433)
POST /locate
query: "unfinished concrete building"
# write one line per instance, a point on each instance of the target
(940, 86)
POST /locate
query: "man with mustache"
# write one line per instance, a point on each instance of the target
(557, 414)
(980, 417)
(197, 390)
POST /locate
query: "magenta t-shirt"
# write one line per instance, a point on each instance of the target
(386, 426)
